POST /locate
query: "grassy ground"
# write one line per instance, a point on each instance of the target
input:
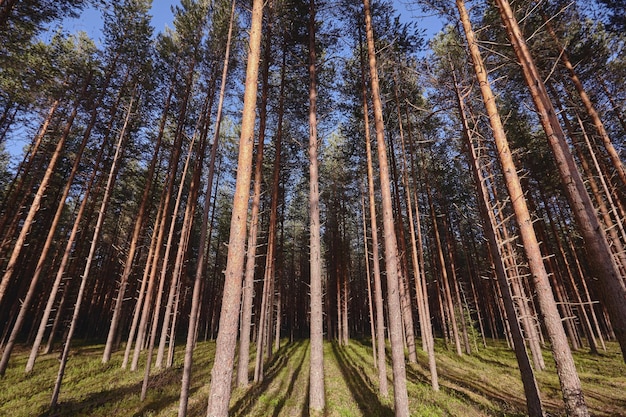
(486, 383)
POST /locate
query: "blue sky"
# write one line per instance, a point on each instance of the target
(91, 21)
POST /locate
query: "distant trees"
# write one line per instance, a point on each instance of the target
(497, 179)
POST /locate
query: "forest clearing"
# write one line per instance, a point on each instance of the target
(485, 383)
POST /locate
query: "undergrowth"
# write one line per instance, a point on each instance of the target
(486, 383)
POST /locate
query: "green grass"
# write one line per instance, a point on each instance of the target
(487, 383)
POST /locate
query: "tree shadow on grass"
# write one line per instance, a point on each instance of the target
(280, 359)
(95, 400)
(362, 391)
(461, 385)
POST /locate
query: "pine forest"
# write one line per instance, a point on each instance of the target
(313, 208)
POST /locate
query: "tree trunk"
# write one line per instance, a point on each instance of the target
(591, 111)
(369, 286)
(248, 286)
(566, 369)
(378, 291)
(401, 401)
(94, 243)
(34, 208)
(317, 401)
(604, 266)
(192, 330)
(221, 374)
(139, 224)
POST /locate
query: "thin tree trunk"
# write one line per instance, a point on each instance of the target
(317, 401)
(369, 286)
(401, 401)
(94, 243)
(604, 266)
(163, 274)
(62, 269)
(566, 369)
(34, 208)
(248, 286)
(221, 374)
(15, 190)
(17, 326)
(591, 111)
(139, 224)
(378, 291)
(192, 330)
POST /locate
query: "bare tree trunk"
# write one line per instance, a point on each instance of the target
(604, 266)
(61, 270)
(533, 397)
(137, 313)
(248, 286)
(163, 274)
(190, 209)
(591, 111)
(378, 291)
(192, 330)
(43, 255)
(369, 286)
(94, 243)
(139, 223)
(17, 185)
(566, 369)
(34, 208)
(317, 401)
(221, 374)
(401, 400)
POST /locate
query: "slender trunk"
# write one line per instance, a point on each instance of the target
(16, 188)
(533, 397)
(221, 374)
(190, 209)
(142, 291)
(604, 266)
(317, 400)
(139, 224)
(566, 369)
(591, 111)
(164, 270)
(248, 286)
(192, 330)
(378, 291)
(369, 286)
(401, 400)
(17, 326)
(62, 269)
(40, 194)
(94, 243)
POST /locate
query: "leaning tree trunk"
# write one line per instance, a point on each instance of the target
(566, 369)
(92, 250)
(139, 224)
(204, 235)
(600, 257)
(317, 400)
(17, 326)
(383, 388)
(531, 389)
(39, 195)
(591, 110)
(401, 400)
(221, 374)
(248, 286)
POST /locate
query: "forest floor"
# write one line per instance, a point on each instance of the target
(487, 383)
